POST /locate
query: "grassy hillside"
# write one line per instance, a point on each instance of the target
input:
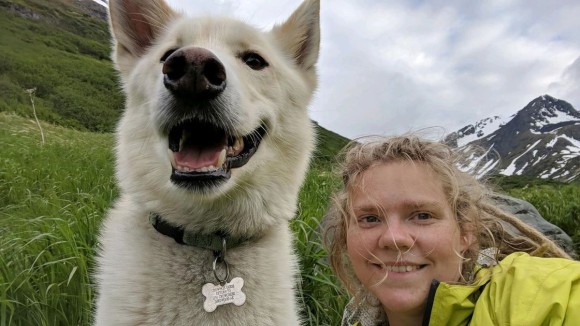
(63, 53)
(328, 145)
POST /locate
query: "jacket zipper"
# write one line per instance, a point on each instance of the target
(430, 300)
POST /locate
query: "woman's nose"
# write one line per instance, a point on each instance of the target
(397, 235)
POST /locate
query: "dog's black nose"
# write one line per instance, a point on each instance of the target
(194, 73)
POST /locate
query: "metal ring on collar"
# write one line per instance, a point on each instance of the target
(223, 253)
(225, 279)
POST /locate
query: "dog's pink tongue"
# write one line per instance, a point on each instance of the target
(196, 158)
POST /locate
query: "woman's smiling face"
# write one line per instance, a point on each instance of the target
(403, 235)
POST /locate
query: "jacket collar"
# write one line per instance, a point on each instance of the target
(457, 301)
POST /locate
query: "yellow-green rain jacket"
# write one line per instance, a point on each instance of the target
(520, 291)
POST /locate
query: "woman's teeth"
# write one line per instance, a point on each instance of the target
(401, 268)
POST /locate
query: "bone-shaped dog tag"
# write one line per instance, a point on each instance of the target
(217, 295)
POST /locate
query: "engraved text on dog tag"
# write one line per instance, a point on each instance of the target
(217, 295)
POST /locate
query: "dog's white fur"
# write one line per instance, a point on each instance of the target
(146, 278)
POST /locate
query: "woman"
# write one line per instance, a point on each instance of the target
(416, 241)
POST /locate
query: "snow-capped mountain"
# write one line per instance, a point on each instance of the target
(541, 140)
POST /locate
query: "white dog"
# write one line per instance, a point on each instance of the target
(211, 152)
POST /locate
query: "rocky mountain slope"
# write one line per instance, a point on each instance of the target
(541, 140)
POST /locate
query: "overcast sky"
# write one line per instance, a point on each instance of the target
(391, 66)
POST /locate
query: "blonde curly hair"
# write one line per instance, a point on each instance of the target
(468, 198)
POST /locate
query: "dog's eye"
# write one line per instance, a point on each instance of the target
(166, 55)
(254, 61)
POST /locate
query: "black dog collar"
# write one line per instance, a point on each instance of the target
(214, 241)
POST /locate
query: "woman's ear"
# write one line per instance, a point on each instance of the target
(468, 237)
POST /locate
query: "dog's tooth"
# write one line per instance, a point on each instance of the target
(171, 157)
(209, 168)
(222, 158)
(238, 144)
(230, 151)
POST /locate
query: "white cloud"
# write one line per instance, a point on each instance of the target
(392, 66)
(568, 87)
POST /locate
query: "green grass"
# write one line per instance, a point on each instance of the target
(53, 198)
(322, 298)
(559, 204)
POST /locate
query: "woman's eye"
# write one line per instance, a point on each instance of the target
(369, 219)
(254, 61)
(423, 216)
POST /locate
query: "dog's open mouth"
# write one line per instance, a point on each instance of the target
(203, 154)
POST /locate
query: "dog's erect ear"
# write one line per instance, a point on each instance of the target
(134, 25)
(300, 34)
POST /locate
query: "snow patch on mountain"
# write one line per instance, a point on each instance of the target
(478, 164)
(551, 116)
(480, 130)
(511, 169)
(575, 143)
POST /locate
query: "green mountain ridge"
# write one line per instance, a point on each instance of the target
(63, 53)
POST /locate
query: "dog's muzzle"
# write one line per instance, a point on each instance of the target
(203, 155)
